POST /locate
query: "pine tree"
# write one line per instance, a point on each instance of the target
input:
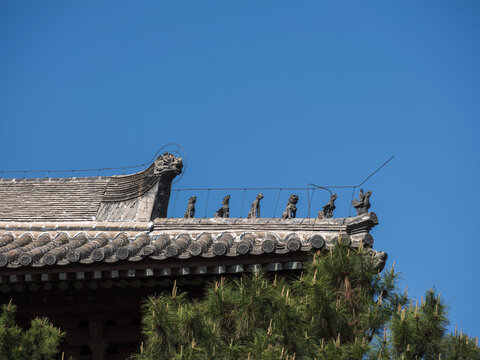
(418, 331)
(39, 342)
(340, 307)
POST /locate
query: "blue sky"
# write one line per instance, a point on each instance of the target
(267, 94)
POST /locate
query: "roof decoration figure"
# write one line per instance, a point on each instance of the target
(255, 208)
(142, 196)
(363, 203)
(291, 210)
(224, 211)
(328, 209)
(167, 167)
(92, 240)
(190, 213)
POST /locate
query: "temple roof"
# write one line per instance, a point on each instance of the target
(65, 199)
(35, 245)
(104, 224)
(115, 198)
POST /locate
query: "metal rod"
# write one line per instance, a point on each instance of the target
(327, 188)
(373, 173)
(206, 203)
(308, 200)
(351, 200)
(175, 203)
(243, 201)
(276, 205)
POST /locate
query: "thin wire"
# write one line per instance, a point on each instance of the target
(206, 203)
(276, 205)
(378, 169)
(70, 170)
(313, 192)
(184, 157)
(327, 187)
(243, 201)
(100, 169)
(351, 201)
(310, 202)
(243, 188)
(175, 204)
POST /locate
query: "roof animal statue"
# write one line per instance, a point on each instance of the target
(224, 211)
(291, 210)
(379, 258)
(255, 209)
(328, 209)
(363, 203)
(190, 213)
(167, 166)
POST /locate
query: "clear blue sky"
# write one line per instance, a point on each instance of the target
(270, 93)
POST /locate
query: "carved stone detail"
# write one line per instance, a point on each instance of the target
(168, 163)
(317, 241)
(167, 166)
(224, 211)
(190, 213)
(291, 210)
(293, 243)
(361, 224)
(363, 203)
(380, 258)
(328, 209)
(255, 208)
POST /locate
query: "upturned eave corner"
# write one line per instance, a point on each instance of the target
(122, 221)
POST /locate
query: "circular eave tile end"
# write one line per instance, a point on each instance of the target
(368, 240)
(50, 259)
(98, 255)
(268, 246)
(73, 256)
(122, 253)
(293, 244)
(219, 249)
(317, 242)
(3, 260)
(148, 250)
(171, 251)
(25, 259)
(195, 249)
(243, 248)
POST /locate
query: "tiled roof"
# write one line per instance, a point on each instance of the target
(51, 199)
(41, 250)
(48, 244)
(72, 199)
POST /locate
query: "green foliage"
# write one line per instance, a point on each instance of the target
(418, 332)
(40, 342)
(337, 309)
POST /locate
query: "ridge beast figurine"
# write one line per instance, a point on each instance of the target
(255, 208)
(291, 210)
(190, 213)
(328, 209)
(224, 211)
(167, 166)
(363, 203)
